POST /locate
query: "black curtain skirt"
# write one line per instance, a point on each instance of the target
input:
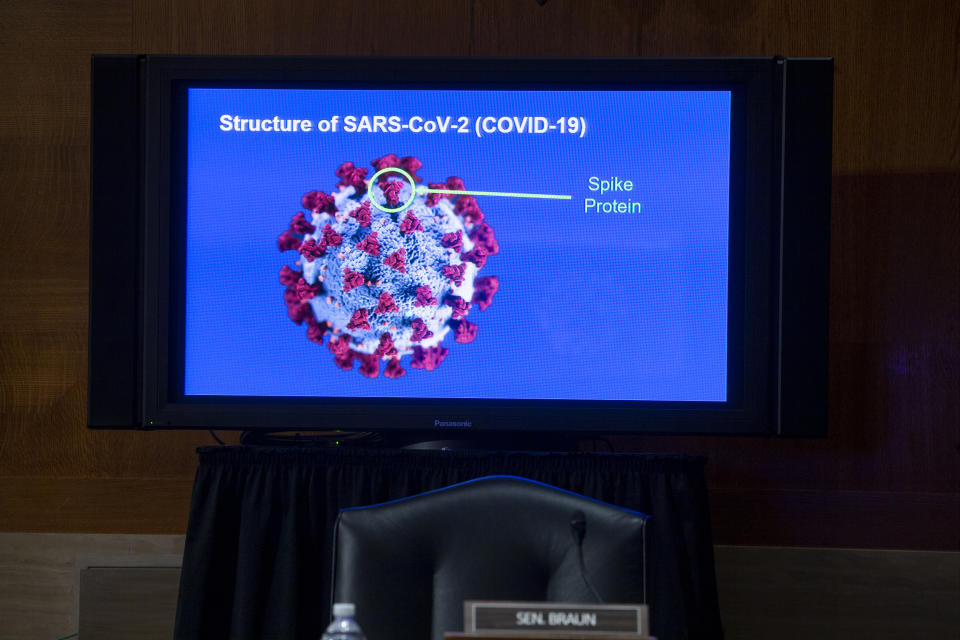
(259, 545)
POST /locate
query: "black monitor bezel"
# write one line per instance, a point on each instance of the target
(753, 251)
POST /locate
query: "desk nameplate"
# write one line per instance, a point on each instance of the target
(555, 617)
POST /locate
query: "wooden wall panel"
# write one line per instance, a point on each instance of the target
(837, 594)
(894, 445)
(128, 602)
(41, 576)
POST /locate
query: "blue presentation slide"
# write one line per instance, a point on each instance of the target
(479, 244)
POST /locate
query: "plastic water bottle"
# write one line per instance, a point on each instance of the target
(343, 627)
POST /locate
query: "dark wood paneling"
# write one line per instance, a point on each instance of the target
(831, 518)
(300, 27)
(39, 581)
(894, 448)
(837, 594)
(95, 505)
(117, 603)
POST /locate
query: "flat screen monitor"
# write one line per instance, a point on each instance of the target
(462, 246)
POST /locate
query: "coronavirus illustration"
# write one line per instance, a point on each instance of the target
(387, 267)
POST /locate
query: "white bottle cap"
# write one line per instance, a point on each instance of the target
(344, 610)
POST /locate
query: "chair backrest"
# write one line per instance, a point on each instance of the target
(409, 564)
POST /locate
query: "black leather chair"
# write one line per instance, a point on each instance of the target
(409, 564)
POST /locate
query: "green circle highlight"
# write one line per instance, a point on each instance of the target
(407, 176)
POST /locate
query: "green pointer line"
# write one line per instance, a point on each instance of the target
(544, 196)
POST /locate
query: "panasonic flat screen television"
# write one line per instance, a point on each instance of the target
(460, 245)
